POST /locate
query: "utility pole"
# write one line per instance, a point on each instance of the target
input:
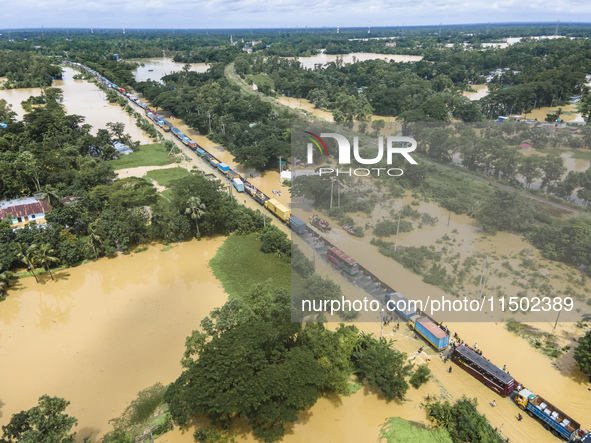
(483, 278)
(339, 195)
(264, 220)
(279, 169)
(331, 190)
(482, 274)
(397, 229)
(557, 317)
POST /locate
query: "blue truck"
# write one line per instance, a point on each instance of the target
(297, 225)
(430, 331)
(555, 421)
(402, 305)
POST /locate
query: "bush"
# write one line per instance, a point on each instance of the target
(420, 376)
(386, 228)
(273, 240)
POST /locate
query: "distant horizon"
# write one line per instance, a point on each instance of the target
(270, 28)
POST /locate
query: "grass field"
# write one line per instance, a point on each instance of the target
(239, 263)
(165, 176)
(261, 80)
(145, 155)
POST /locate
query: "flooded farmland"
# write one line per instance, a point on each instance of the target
(104, 331)
(156, 68)
(82, 98)
(322, 59)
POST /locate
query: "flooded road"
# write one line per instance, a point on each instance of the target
(104, 331)
(156, 68)
(82, 98)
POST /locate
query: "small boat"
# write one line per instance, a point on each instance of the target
(349, 228)
(150, 70)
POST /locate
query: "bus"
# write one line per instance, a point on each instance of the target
(482, 369)
(343, 261)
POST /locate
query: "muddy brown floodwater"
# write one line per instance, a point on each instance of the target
(104, 331)
(310, 62)
(156, 68)
(82, 98)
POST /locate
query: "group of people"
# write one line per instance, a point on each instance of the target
(323, 224)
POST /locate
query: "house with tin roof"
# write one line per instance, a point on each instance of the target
(23, 210)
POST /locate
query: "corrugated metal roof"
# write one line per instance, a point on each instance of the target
(484, 363)
(25, 209)
(432, 327)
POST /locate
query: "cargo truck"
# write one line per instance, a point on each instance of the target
(401, 304)
(238, 184)
(200, 152)
(223, 167)
(555, 421)
(232, 175)
(278, 209)
(430, 331)
(297, 225)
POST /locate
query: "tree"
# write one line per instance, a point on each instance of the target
(95, 236)
(382, 366)
(197, 210)
(43, 254)
(531, 169)
(553, 170)
(43, 423)
(420, 376)
(252, 367)
(583, 353)
(50, 195)
(377, 126)
(462, 421)
(26, 256)
(506, 211)
(7, 278)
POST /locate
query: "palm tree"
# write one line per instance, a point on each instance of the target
(196, 209)
(26, 256)
(43, 254)
(95, 232)
(6, 280)
(50, 195)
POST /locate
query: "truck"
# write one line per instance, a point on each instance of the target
(260, 197)
(250, 189)
(555, 421)
(277, 209)
(401, 304)
(430, 331)
(297, 225)
(224, 168)
(231, 174)
(238, 184)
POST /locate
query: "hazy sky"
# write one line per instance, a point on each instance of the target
(281, 13)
